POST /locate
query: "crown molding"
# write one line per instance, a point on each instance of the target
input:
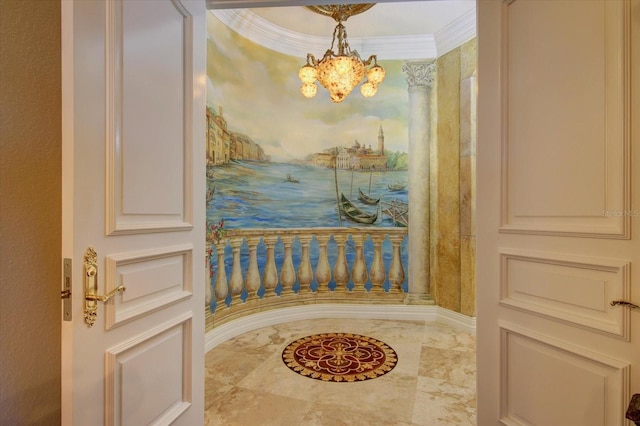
(456, 33)
(237, 4)
(425, 46)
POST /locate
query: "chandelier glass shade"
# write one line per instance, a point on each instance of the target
(340, 72)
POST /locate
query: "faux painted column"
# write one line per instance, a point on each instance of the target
(305, 273)
(359, 272)
(208, 293)
(420, 76)
(253, 274)
(377, 274)
(323, 270)
(270, 274)
(341, 268)
(396, 271)
(288, 272)
(222, 286)
(236, 284)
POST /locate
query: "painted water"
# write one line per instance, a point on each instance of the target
(260, 195)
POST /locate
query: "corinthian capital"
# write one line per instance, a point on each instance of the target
(419, 73)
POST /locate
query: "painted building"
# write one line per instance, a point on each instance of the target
(224, 145)
(217, 138)
(356, 157)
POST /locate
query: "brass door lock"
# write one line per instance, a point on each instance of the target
(91, 296)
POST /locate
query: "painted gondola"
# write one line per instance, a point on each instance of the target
(367, 199)
(354, 214)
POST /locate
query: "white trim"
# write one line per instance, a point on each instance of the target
(224, 4)
(456, 33)
(427, 313)
(456, 319)
(424, 46)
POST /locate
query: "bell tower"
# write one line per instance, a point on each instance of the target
(381, 141)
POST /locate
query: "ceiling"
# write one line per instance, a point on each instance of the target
(394, 30)
(384, 19)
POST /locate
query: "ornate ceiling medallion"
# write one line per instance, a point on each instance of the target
(341, 12)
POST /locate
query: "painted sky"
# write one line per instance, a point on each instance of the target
(259, 91)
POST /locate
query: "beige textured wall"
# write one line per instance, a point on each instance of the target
(453, 182)
(30, 212)
(468, 61)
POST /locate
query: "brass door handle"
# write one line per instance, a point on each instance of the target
(106, 297)
(624, 303)
(91, 296)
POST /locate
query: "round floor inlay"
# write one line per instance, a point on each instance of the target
(339, 357)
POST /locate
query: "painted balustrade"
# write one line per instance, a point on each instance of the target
(268, 249)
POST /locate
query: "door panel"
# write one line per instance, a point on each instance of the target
(134, 191)
(153, 278)
(595, 384)
(145, 52)
(557, 211)
(566, 124)
(567, 288)
(136, 393)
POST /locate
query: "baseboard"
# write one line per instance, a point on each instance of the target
(456, 319)
(387, 312)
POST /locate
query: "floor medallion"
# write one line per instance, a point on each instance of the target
(339, 357)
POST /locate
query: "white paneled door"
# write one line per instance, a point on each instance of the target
(133, 211)
(558, 211)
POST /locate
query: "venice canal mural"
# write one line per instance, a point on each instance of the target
(283, 154)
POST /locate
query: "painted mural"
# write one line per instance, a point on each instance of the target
(276, 166)
(276, 159)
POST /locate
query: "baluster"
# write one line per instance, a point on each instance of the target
(377, 273)
(288, 272)
(237, 283)
(253, 274)
(341, 269)
(222, 287)
(396, 271)
(305, 274)
(359, 272)
(207, 288)
(323, 270)
(270, 273)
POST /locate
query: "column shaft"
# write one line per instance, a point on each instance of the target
(420, 76)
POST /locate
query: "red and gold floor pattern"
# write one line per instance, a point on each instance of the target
(339, 357)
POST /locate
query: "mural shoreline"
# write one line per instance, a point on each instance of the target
(225, 145)
(254, 194)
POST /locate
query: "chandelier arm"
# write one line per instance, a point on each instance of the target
(311, 60)
(373, 58)
(327, 55)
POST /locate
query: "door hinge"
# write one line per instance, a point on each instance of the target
(66, 290)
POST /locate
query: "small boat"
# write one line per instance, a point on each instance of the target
(210, 193)
(291, 179)
(367, 199)
(354, 213)
(396, 186)
(210, 174)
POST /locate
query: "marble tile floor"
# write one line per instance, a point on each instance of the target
(433, 383)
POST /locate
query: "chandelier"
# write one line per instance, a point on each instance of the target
(340, 72)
